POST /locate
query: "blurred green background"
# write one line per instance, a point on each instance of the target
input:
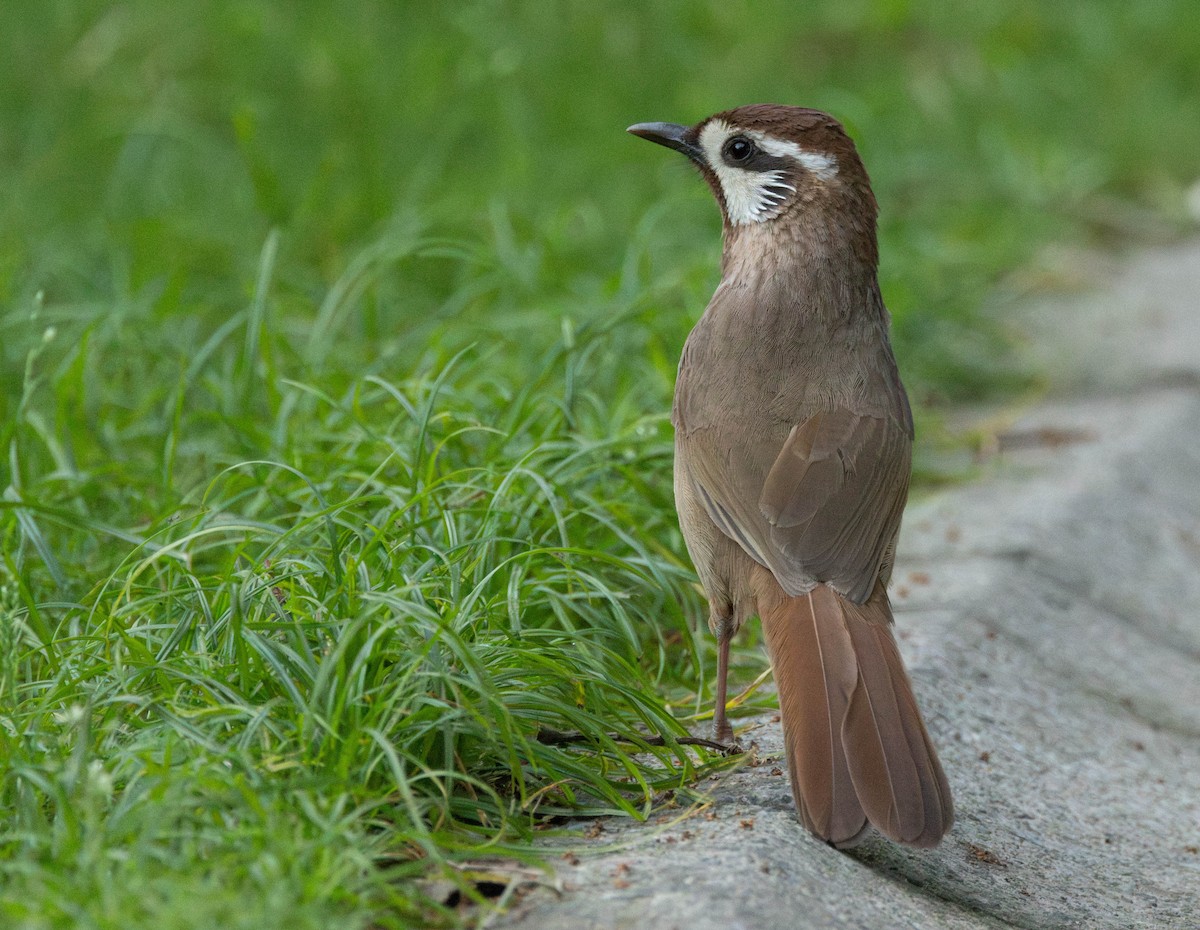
(148, 149)
(289, 586)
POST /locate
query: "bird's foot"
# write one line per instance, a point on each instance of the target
(724, 735)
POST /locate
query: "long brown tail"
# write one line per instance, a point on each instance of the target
(857, 748)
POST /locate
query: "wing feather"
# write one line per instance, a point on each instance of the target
(824, 506)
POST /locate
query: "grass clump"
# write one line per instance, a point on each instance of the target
(325, 671)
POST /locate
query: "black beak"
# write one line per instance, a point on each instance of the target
(672, 136)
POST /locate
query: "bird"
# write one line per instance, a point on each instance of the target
(793, 453)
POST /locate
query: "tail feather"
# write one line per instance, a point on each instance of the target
(820, 678)
(935, 790)
(857, 748)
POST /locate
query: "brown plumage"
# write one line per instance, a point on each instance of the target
(793, 453)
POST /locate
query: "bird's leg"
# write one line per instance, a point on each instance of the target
(722, 731)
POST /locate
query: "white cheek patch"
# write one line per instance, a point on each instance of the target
(755, 196)
(752, 196)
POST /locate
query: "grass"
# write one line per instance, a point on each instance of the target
(342, 655)
(337, 346)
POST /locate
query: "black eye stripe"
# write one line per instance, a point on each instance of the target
(739, 151)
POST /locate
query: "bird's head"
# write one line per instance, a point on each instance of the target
(767, 163)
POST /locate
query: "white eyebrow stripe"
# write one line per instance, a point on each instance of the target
(822, 165)
(780, 148)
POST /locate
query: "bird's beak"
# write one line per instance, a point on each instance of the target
(672, 136)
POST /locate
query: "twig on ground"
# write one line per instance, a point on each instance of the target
(551, 737)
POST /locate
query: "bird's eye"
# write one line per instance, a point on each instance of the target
(739, 148)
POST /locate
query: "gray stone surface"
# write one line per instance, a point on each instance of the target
(1050, 616)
